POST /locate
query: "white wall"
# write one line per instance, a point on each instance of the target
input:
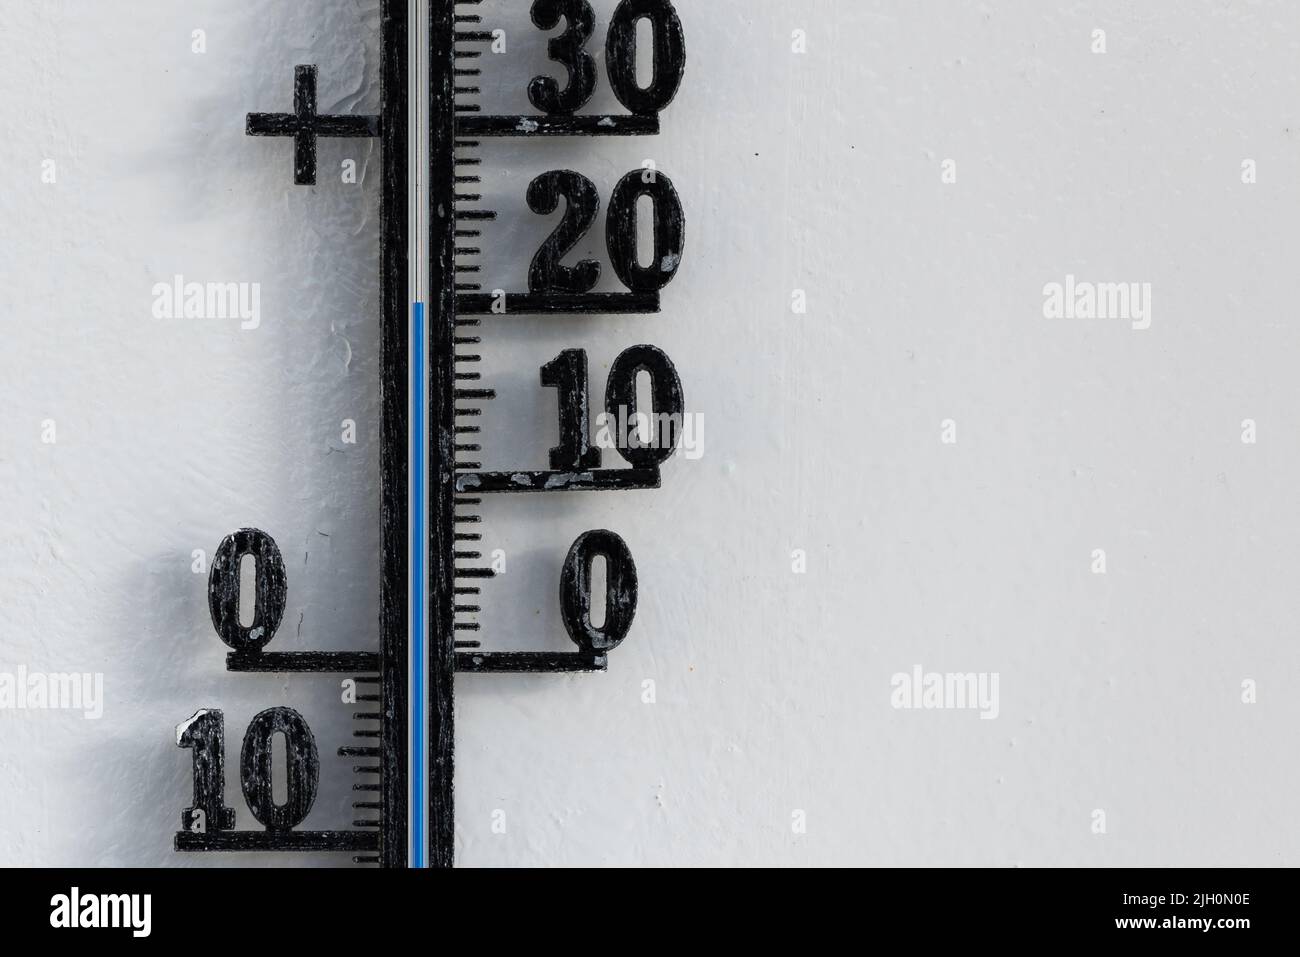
(820, 172)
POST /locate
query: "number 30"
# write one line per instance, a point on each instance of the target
(620, 55)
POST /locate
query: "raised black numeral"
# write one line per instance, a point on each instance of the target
(205, 734)
(567, 372)
(665, 418)
(566, 49)
(546, 274)
(669, 54)
(223, 589)
(302, 772)
(620, 591)
(669, 231)
(668, 60)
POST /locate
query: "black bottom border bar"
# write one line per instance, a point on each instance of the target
(919, 908)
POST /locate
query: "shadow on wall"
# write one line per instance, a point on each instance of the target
(282, 458)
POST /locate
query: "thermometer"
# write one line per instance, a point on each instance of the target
(431, 579)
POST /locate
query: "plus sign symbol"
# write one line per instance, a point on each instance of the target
(304, 124)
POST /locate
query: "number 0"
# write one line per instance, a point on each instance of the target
(302, 773)
(669, 54)
(223, 589)
(669, 231)
(620, 591)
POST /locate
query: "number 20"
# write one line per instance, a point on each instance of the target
(547, 274)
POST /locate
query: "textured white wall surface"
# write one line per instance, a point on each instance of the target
(821, 171)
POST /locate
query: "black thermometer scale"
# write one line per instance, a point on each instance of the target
(431, 133)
